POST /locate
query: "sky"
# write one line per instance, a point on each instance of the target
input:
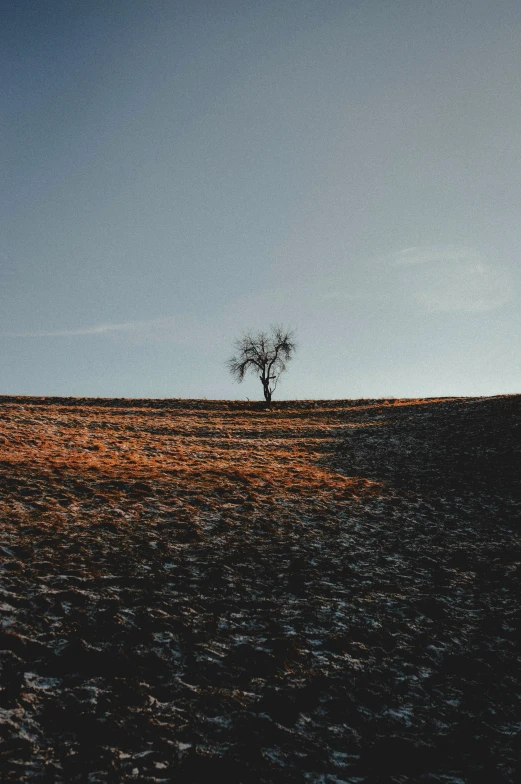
(173, 174)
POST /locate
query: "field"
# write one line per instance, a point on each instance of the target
(326, 591)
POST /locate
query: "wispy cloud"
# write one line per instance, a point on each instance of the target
(99, 329)
(433, 254)
(453, 278)
(181, 329)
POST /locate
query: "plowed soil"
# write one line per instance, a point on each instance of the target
(322, 592)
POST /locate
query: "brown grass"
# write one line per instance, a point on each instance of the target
(220, 448)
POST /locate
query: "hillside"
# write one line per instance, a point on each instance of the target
(327, 591)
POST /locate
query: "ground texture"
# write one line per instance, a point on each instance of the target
(323, 592)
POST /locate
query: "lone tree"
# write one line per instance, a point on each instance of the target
(265, 354)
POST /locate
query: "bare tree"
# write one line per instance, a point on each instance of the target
(265, 354)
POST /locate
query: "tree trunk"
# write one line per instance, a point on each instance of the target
(267, 391)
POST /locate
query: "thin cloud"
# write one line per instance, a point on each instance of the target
(100, 329)
(453, 278)
(474, 286)
(182, 330)
(433, 254)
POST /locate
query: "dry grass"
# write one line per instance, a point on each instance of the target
(208, 453)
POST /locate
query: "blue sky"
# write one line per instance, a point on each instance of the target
(174, 173)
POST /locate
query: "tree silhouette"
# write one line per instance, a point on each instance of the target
(265, 354)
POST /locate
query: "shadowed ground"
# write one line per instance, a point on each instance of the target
(323, 592)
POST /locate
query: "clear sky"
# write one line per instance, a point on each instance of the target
(174, 172)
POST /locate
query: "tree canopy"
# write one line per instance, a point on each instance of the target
(265, 354)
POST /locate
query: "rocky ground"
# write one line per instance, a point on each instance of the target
(323, 592)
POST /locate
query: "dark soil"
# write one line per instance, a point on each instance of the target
(323, 592)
